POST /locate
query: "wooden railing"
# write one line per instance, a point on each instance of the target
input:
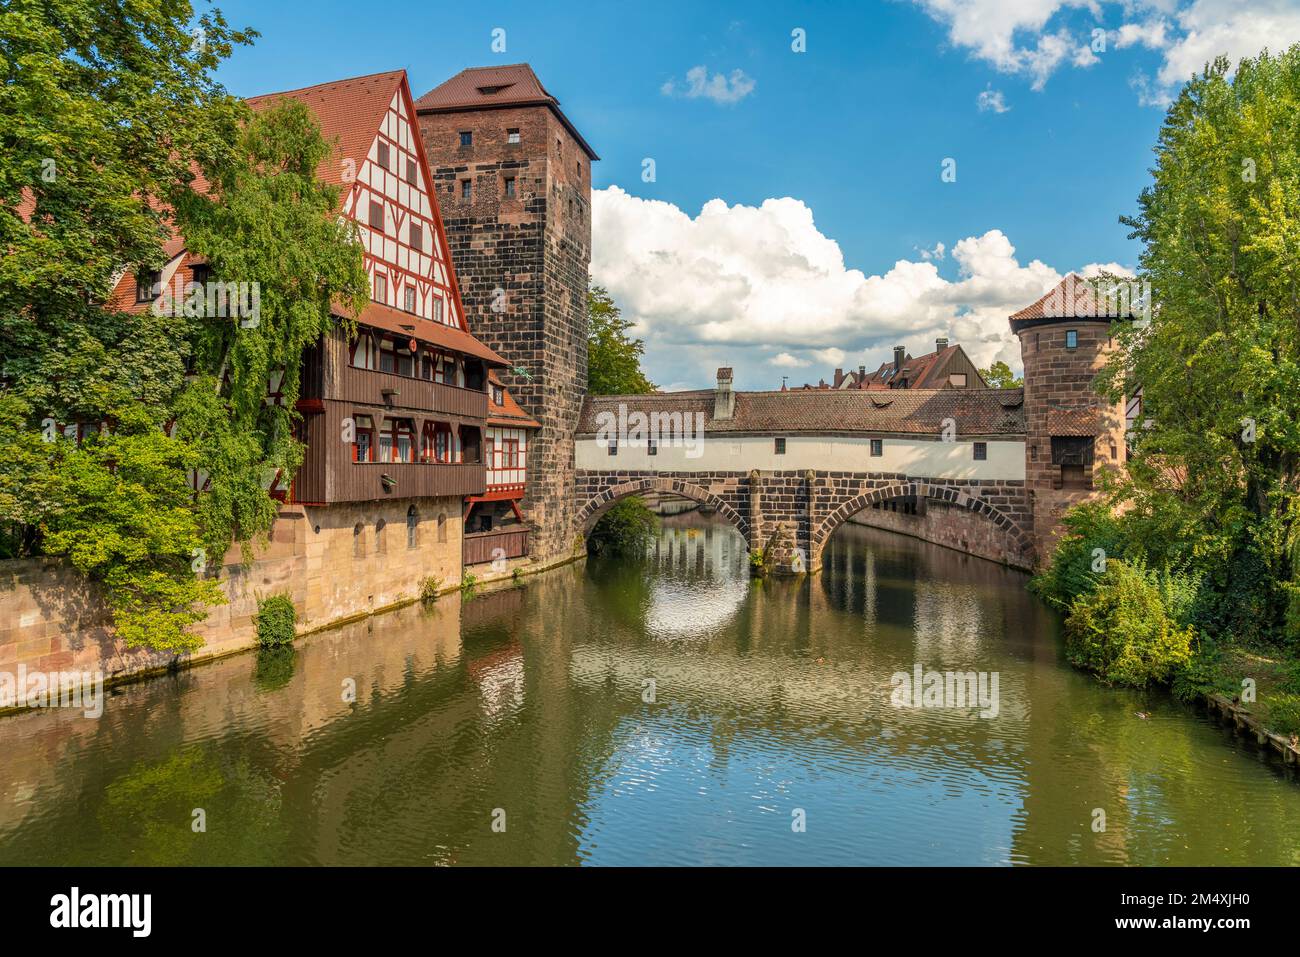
(503, 543)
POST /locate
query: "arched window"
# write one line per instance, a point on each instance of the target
(379, 536)
(442, 526)
(359, 541)
(412, 527)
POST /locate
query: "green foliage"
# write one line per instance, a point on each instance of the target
(613, 358)
(468, 584)
(625, 529)
(1000, 376)
(1212, 480)
(1088, 527)
(275, 667)
(109, 113)
(1123, 630)
(276, 620)
(430, 588)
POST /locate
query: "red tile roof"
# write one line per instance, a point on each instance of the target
(495, 87)
(508, 413)
(900, 411)
(1072, 298)
(426, 330)
(349, 113)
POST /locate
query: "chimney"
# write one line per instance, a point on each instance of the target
(941, 344)
(724, 400)
(839, 377)
(900, 353)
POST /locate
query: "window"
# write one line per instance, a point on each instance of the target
(381, 288)
(1074, 455)
(981, 451)
(498, 395)
(410, 172)
(779, 446)
(652, 447)
(376, 215)
(145, 283)
(437, 309)
(417, 237)
(358, 541)
(412, 527)
(428, 363)
(466, 138)
(435, 442)
(363, 445)
(613, 447)
(512, 136)
(470, 440)
(465, 191)
(381, 540)
(1071, 338)
(510, 187)
(408, 299)
(383, 155)
(957, 380)
(877, 447)
(202, 273)
(508, 455)
(387, 355)
(365, 355)
(405, 357)
(397, 441)
(446, 370)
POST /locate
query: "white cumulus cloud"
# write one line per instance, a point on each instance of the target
(724, 89)
(992, 100)
(755, 287)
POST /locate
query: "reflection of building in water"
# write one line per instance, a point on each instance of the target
(703, 577)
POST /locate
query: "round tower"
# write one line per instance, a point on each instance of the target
(1071, 432)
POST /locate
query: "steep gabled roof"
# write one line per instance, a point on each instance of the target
(496, 87)
(349, 113)
(1073, 298)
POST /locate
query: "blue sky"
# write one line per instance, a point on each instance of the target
(852, 132)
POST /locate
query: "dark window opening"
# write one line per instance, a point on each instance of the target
(412, 527)
(145, 283)
(652, 447)
(466, 138)
(1073, 455)
(613, 447)
(877, 447)
(383, 155)
(510, 187)
(981, 451)
(410, 173)
(465, 189)
(376, 215)
(417, 237)
(1071, 338)
(779, 446)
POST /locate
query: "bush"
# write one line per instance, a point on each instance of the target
(276, 618)
(1122, 629)
(430, 588)
(468, 583)
(1088, 526)
(626, 529)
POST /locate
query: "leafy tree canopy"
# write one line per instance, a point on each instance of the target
(613, 357)
(1000, 376)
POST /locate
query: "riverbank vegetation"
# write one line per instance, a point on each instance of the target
(118, 142)
(1200, 535)
(626, 529)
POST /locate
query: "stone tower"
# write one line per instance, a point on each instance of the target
(513, 180)
(1071, 432)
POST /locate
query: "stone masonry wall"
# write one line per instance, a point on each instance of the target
(52, 619)
(522, 264)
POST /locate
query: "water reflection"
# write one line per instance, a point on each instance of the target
(665, 711)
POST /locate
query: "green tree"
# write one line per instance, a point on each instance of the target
(1000, 376)
(1212, 480)
(116, 137)
(613, 357)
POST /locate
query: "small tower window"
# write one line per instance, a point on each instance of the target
(466, 138)
(1071, 338)
(465, 190)
(510, 187)
(981, 451)
(779, 445)
(877, 447)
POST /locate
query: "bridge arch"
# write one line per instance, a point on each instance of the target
(596, 506)
(1020, 547)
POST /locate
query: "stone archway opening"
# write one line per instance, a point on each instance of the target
(943, 515)
(594, 508)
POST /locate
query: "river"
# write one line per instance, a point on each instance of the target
(665, 711)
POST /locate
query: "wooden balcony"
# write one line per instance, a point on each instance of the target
(504, 543)
(389, 390)
(364, 481)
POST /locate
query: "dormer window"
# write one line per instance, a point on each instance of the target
(145, 283)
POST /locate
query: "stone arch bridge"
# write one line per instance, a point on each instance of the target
(791, 515)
